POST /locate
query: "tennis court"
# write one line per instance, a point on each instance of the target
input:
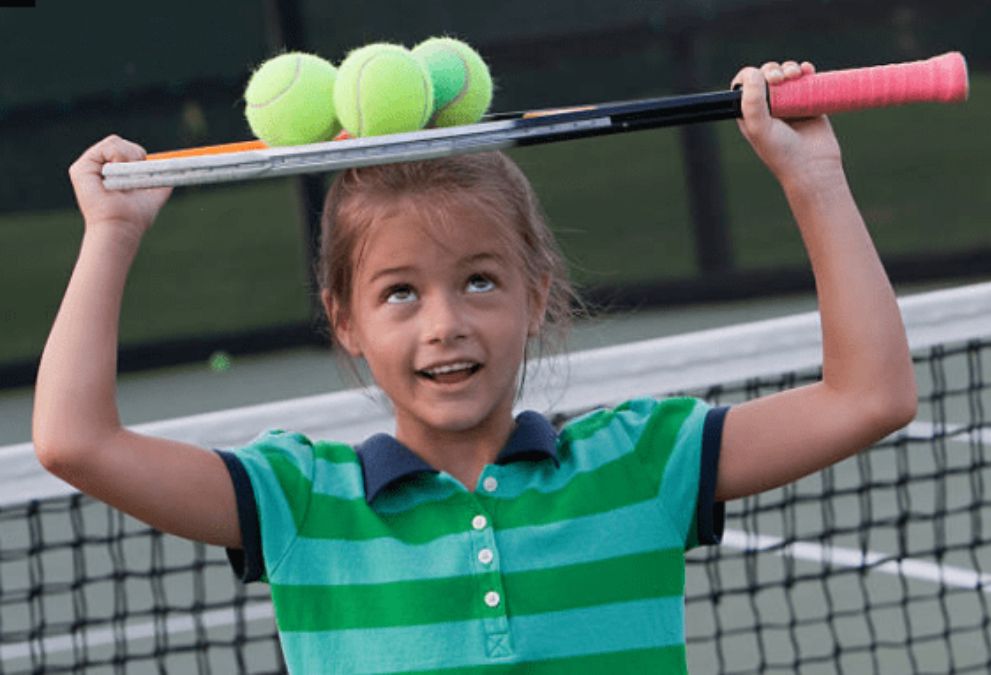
(881, 564)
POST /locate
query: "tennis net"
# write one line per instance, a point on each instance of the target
(881, 564)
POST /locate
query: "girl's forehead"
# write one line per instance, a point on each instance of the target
(416, 227)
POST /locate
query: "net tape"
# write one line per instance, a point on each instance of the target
(879, 564)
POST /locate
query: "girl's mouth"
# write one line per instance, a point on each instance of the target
(450, 373)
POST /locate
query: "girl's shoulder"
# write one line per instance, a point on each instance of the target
(276, 447)
(631, 417)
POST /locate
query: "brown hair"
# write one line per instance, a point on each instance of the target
(490, 180)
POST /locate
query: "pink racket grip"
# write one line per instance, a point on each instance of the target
(941, 79)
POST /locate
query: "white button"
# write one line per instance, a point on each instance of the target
(492, 599)
(479, 522)
(485, 556)
(490, 484)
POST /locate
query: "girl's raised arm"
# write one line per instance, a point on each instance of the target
(175, 487)
(868, 385)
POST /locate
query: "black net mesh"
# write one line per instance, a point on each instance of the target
(881, 564)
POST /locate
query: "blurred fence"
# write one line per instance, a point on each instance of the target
(653, 218)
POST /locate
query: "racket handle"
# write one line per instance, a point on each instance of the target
(941, 79)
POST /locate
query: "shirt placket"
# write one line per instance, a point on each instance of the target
(487, 569)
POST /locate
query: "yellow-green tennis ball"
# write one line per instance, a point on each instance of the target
(462, 82)
(220, 361)
(383, 89)
(290, 100)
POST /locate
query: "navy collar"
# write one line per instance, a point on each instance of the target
(384, 460)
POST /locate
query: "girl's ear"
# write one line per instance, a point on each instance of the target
(340, 324)
(538, 307)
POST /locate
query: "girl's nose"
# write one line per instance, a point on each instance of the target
(444, 319)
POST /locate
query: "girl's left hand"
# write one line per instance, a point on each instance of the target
(794, 150)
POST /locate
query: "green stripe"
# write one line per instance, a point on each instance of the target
(335, 453)
(407, 603)
(587, 425)
(659, 437)
(666, 660)
(401, 603)
(626, 578)
(614, 485)
(295, 486)
(335, 518)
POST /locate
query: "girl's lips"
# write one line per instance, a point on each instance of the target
(451, 373)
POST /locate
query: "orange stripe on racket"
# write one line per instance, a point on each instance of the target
(221, 149)
(225, 148)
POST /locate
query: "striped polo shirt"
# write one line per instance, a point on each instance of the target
(566, 558)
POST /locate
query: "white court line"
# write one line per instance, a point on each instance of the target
(952, 433)
(836, 556)
(95, 638)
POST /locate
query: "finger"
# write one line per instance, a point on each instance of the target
(772, 72)
(753, 102)
(737, 81)
(113, 148)
(116, 149)
(791, 70)
(808, 68)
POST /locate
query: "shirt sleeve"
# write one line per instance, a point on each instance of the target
(710, 515)
(273, 485)
(679, 444)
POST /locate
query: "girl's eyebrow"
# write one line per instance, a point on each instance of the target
(405, 269)
(481, 257)
(467, 260)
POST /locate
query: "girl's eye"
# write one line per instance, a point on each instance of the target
(479, 283)
(398, 295)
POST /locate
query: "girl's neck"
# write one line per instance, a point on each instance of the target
(462, 454)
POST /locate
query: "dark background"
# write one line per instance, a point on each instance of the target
(648, 219)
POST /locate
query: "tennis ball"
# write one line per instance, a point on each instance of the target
(462, 83)
(220, 361)
(290, 100)
(383, 89)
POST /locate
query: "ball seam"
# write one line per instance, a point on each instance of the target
(297, 72)
(461, 94)
(428, 100)
(357, 95)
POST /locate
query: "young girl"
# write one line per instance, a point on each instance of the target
(470, 541)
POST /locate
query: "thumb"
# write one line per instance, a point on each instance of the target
(753, 103)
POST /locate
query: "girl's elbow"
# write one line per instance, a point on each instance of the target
(56, 457)
(903, 411)
(896, 407)
(60, 455)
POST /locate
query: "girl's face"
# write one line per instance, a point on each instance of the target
(441, 313)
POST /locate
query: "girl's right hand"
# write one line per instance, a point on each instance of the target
(133, 211)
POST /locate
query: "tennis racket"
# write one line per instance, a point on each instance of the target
(939, 79)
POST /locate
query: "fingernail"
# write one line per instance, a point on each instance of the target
(777, 73)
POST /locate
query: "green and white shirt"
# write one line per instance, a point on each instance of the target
(566, 558)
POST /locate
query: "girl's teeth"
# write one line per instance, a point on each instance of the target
(449, 369)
